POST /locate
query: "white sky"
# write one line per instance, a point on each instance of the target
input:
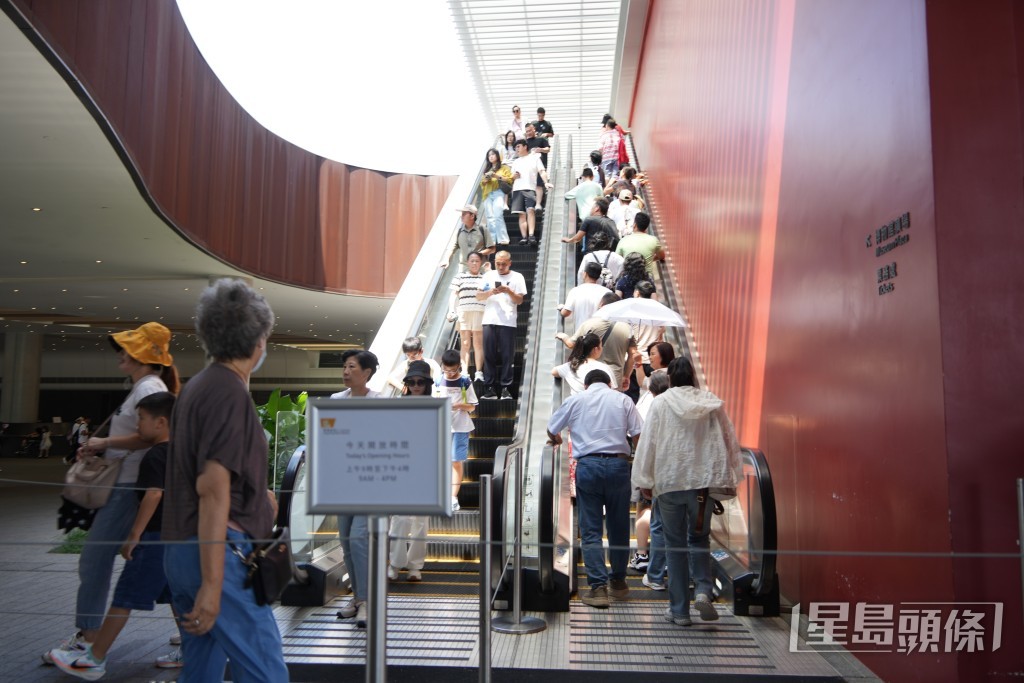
(380, 85)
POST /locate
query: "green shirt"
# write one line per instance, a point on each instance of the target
(642, 243)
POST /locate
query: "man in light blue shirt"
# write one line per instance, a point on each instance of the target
(602, 422)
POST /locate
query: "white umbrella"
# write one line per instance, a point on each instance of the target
(641, 311)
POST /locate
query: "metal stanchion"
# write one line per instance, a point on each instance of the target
(485, 578)
(377, 597)
(1020, 528)
(517, 624)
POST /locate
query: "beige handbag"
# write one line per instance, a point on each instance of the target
(90, 480)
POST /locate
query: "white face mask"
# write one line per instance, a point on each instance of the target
(259, 363)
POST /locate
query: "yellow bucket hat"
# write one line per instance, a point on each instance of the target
(148, 344)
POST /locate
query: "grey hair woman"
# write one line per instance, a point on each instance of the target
(216, 496)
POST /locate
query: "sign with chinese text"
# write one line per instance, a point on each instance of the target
(379, 456)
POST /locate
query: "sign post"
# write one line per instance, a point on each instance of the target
(379, 457)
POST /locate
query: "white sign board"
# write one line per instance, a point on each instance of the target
(379, 456)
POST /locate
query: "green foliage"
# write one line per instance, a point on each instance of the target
(284, 422)
(72, 543)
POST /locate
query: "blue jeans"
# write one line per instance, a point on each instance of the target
(656, 565)
(603, 483)
(109, 529)
(355, 543)
(680, 511)
(244, 633)
(610, 166)
(494, 209)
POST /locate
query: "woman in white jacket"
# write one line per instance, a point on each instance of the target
(688, 445)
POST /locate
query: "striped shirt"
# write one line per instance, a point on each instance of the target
(467, 285)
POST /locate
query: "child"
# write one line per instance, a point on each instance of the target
(459, 388)
(409, 533)
(142, 581)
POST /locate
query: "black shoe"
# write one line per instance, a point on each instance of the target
(533, 241)
(489, 394)
(523, 242)
(505, 394)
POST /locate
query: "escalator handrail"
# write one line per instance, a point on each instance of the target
(551, 455)
(530, 360)
(753, 457)
(450, 260)
(769, 533)
(284, 504)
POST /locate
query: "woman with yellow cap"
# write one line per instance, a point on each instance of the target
(143, 355)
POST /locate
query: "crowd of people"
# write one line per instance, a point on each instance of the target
(192, 491)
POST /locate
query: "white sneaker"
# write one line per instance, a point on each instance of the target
(392, 573)
(455, 505)
(349, 610)
(479, 377)
(171, 660)
(361, 616)
(73, 644)
(79, 664)
(414, 576)
(705, 607)
(653, 585)
(175, 640)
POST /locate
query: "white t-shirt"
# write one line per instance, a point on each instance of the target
(613, 260)
(584, 299)
(623, 215)
(347, 393)
(528, 168)
(126, 421)
(499, 309)
(461, 421)
(575, 379)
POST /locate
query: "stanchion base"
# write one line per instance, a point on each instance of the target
(525, 625)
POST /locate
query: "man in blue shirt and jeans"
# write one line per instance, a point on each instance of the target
(602, 422)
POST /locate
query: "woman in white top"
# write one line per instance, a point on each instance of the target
(509, 149)
(584, 357)
(357, 369)
(470, 313)
(143, 355)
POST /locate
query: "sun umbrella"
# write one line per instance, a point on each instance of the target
(641, 311)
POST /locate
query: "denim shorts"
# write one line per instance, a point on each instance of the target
(143, 582)
(460, 446)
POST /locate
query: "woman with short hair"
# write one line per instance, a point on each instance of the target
(216, 498)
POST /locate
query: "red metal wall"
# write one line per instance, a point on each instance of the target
(779, 136)
(227, 184)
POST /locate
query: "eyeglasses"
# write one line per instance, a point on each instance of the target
(515, 111)
(416, 382)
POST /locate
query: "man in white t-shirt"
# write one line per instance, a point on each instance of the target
(583, 299)
(504, 289)
(623, 212)
(525, 170)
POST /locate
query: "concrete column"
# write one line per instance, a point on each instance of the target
(19, 400)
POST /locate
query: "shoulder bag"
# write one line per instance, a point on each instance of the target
(91, 478)
(270, 566)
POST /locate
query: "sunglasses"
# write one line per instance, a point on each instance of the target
(416, 382)
(515, 111)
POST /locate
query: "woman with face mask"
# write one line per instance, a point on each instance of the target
(216, 497)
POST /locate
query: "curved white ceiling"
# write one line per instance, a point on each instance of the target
(379, 85)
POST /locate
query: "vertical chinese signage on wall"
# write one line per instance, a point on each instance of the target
(885, 240)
